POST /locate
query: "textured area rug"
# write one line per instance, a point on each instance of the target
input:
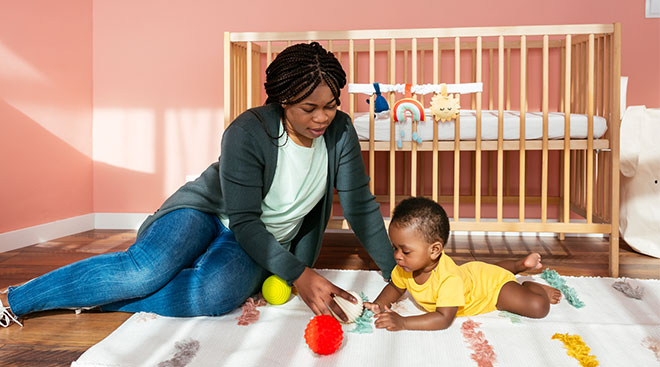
(609, 329)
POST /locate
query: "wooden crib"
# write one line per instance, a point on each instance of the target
(544, 185)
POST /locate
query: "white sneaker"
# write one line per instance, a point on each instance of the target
(6, 316)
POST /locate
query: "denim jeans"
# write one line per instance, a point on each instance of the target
(185, 264)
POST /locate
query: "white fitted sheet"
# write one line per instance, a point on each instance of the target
(489, 128)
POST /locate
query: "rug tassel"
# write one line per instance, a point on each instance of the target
(627, 289)
(556, 281)
(652, 344)
(576, 348)
(250, 313)
(483, 354)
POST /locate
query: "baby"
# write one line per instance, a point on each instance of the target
(419, 231)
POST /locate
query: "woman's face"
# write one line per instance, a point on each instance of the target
(309, 118)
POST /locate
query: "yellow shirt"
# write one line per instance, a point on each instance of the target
(472, 287)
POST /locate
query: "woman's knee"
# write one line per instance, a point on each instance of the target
(223, 292)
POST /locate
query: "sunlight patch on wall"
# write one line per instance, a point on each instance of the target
(192, 143)
(14, 68)
(125, 138)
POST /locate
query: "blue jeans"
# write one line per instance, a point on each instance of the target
(185, 264)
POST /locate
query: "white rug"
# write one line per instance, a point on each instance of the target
(619, 330)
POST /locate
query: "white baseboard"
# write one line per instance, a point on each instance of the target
(66, 227)
(45, 232)
(119, 220)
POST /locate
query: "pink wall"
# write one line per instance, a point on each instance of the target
(45, 112)
(157, 85)
(166, 61)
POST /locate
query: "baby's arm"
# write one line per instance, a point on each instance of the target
(438, 320)
(387, 296)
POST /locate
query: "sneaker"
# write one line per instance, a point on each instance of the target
(6, 316)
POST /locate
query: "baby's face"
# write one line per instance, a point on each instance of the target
(411, 252)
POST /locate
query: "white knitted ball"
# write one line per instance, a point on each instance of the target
(352, 310)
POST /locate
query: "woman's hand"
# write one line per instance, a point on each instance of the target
(390, 320)
(317, 293)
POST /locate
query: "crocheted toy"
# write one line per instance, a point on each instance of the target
(323, 334)
(352, 310)
(380, 104)
(445, 107)
(275, 290)
(415, 110)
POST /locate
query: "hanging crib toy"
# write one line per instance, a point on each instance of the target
(416, 113)
(445, 107)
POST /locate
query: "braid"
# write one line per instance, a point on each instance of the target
(298, 70)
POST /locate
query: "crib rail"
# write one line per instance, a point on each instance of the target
(565, 68)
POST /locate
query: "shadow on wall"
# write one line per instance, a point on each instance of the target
(43, 177)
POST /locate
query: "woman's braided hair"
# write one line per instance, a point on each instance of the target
(298, 70)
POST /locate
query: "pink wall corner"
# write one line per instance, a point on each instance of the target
(45, 112)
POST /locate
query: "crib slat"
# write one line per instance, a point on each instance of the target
(413, 151)
(457, 131)
(500, 127)
(372, 125)
(477, 154)
(544, 167)
(392, 78)
(227, 84)
(435, 123)
(351, 77)
(523, 114)
(567, 127)
(490, 79)
(507, 87)
(590, 132)
(249, 75)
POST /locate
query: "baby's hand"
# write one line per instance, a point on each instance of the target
(390, 320)
(373, 307)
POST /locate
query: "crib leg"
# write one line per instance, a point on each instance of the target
(562, 236)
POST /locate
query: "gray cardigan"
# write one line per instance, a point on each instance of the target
(239, 181)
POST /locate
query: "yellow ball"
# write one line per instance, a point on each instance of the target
(275, 290)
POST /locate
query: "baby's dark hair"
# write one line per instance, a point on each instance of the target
(426, 216)
(300, 68)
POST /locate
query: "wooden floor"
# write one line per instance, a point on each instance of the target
(56, 338)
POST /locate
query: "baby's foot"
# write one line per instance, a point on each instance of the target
(554, 295)
(531, 262)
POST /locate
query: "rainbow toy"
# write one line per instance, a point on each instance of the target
(416, 110)
(411, 105)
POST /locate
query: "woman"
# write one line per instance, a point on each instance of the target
(261, 209)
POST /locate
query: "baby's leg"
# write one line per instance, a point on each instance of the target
(529, 262)
(529, 299)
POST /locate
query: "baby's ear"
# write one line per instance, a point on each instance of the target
(436, 250)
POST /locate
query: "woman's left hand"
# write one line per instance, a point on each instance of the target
(317, 292)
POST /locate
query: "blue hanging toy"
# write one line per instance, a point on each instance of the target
(380, 104)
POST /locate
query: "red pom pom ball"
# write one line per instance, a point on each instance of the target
(323, 334)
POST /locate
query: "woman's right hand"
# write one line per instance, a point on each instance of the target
(317, 293)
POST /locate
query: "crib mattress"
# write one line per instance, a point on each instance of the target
(489, 126)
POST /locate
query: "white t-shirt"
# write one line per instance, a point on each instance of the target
(299, 183)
